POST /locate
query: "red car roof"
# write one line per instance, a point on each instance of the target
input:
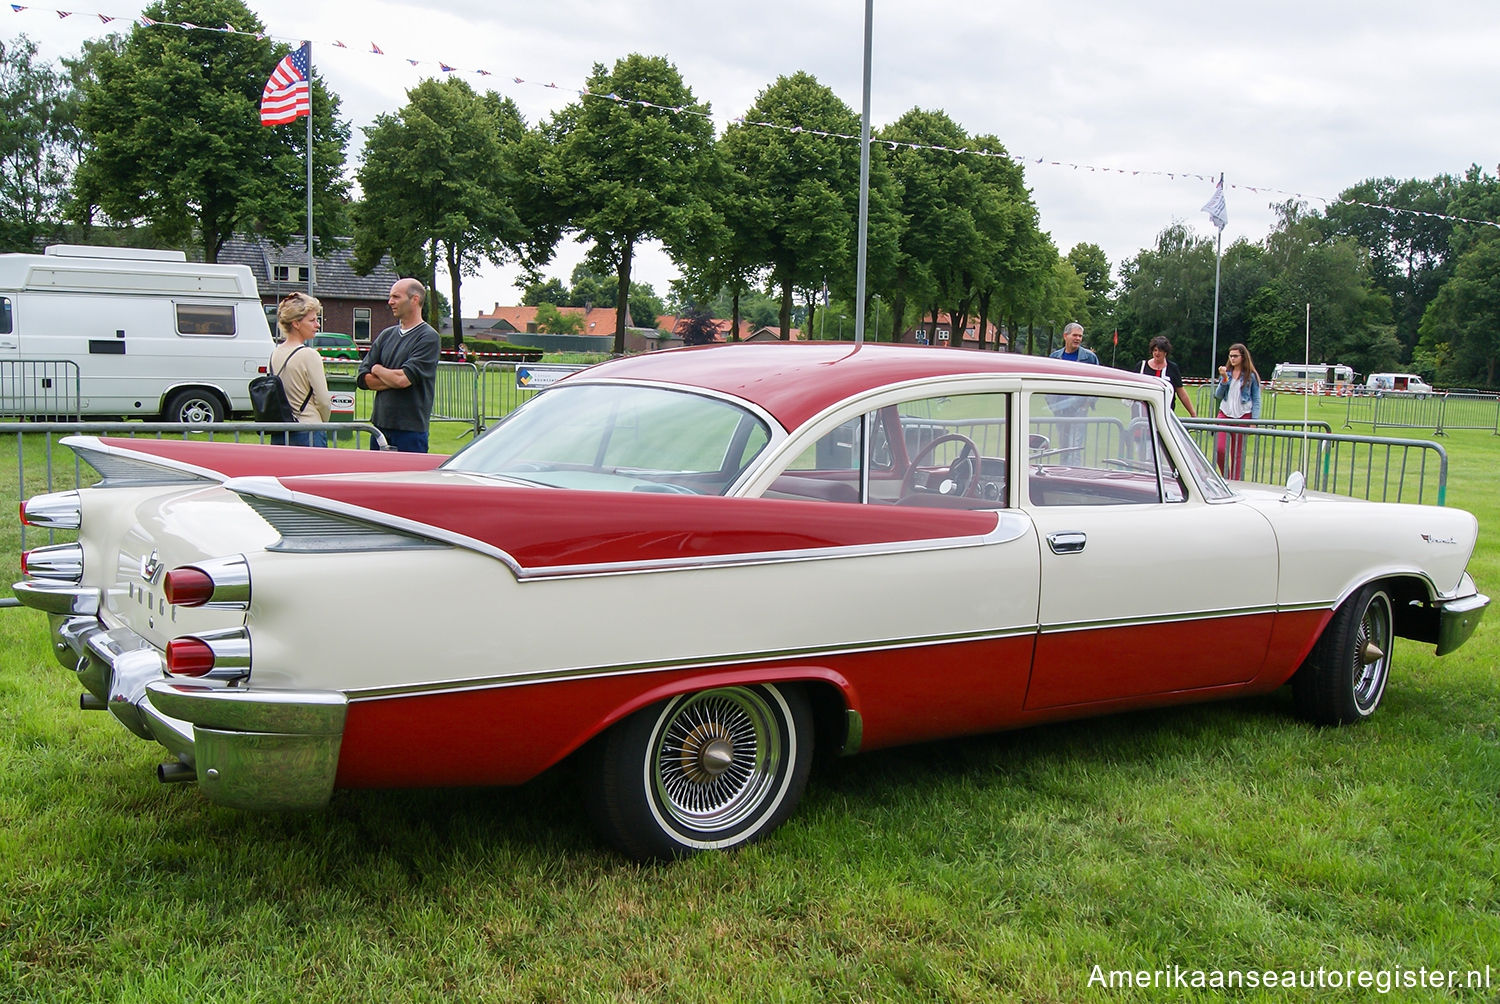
(796, 380)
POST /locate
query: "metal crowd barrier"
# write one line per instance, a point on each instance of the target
(499, 393)
(1439, 412)
(40, 388)
(455, 393)
(1371, 467)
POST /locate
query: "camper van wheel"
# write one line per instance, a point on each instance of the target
(193, 407)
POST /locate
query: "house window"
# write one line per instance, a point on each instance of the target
(361, 324)
(942, 334)
(289, 273)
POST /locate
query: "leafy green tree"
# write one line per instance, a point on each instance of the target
(172, 121)
(548, 291)
(1169, 290)
(554, 321)
(442, 180)
(795, 204)
(1408, 243)
(34, 154)
(1092, 267)
(629, 163)
(1461, 329)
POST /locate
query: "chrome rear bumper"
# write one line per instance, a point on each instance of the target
(250, 749)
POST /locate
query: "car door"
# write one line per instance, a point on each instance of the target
(1146, 587)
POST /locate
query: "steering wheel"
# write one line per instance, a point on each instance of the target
(962, 474)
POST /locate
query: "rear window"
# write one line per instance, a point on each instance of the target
(205, 319)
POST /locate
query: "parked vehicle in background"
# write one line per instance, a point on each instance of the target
(151, 334)
(332, 345)
(687, 570)
(1317, 376)
(1398, 383)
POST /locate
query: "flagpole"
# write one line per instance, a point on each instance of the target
(1218, 257)
(309, 173)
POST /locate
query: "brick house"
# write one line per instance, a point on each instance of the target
(919, 334)
(353, 304)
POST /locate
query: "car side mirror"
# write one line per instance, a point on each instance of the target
(1296, 487)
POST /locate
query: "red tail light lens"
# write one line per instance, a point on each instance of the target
(188, 587)
(189, 657)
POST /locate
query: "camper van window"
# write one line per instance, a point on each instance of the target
(204, 319)
(5, 326)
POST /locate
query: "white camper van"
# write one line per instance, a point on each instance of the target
(128, 332)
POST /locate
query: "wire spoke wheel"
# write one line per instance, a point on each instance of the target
(708, 770)
(1345, 675)
(716, 757)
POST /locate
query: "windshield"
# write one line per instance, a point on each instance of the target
(1207, 475)
(610, 437)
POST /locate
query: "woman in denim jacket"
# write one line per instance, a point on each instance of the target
(1238, 394)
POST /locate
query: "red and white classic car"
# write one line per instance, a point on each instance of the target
(690, 569)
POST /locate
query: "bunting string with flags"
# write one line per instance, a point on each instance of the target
(1020, 159)
(288, 95)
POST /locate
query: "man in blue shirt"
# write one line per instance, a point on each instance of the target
(1071, 410)
(1073, 349)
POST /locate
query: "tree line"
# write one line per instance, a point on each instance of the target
(154, 137)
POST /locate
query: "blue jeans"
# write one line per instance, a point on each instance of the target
(317, 437)
(404, 440)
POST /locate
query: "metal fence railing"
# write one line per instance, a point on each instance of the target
(1371, 467)
(40, 388)
(42, 466)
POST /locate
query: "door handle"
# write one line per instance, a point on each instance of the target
(1067, 541)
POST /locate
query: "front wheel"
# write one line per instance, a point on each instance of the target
(1345, 675)
(193, 407)
(710, 770)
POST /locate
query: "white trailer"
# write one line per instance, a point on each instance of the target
(128, 332)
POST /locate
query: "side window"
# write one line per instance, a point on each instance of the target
(1089, 450)
(361, 324)
(6, 324)
(941, 451)
(204, 319)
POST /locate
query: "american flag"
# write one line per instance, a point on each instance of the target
(287, 96)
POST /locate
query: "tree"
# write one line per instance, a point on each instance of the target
(172, 119)
(1092, 267)
(1408, 244)
(1169, 290)
(698, 327)
(795, 205)
(629, 161)
(1461, 329)
(443, 182)
(554, 321)
(34, 162)
(551, 291)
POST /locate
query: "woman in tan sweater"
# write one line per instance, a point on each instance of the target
(301, 368)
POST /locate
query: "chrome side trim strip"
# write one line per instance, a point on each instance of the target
(695, 662)
(1176, 618)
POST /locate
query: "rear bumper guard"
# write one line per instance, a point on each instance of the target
(250, 749)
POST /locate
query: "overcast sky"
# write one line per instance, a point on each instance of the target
(1300, 98)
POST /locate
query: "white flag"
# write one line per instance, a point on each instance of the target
(1217, 211)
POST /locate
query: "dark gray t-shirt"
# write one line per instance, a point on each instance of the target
(416, 354)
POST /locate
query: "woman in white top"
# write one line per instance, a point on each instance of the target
(1238, 394)
(301, 368)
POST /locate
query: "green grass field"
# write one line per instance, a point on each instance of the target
(1226, 837)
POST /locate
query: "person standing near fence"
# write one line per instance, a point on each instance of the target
(1072, 408)
(401, 368)
(1238, 394)
(1160, 366)
(301, 372)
